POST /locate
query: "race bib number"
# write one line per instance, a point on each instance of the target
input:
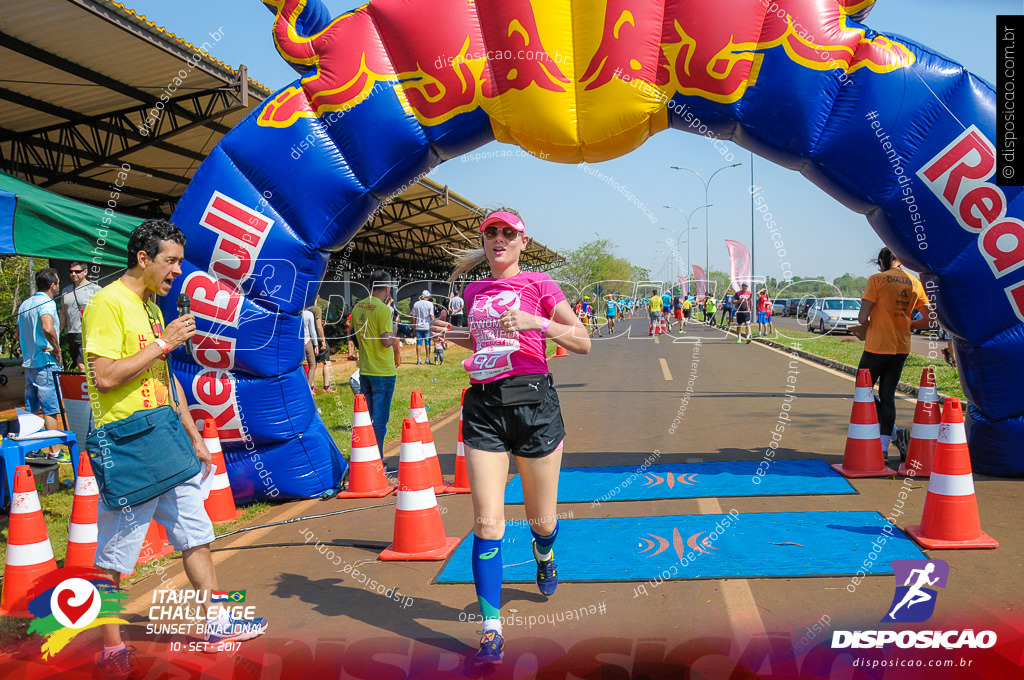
(490, 361)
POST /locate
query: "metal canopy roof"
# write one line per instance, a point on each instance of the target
(418, 229)
(81, 78)
(80, 81)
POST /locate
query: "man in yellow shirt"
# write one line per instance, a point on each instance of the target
(655, 305)
(379, 355)
(126, 347)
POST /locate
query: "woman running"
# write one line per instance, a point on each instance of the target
(889, 300)
(511, 406)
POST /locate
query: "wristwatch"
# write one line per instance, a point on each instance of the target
(162, 344)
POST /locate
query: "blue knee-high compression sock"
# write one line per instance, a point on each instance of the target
(544, 543)
(487, 576)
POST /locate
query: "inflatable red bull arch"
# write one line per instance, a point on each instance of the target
(391, 89)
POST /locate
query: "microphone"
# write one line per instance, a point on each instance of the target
(185, 307)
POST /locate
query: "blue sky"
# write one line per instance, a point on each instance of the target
(563, 206)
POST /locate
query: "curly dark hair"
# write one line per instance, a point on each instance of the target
(148, 236)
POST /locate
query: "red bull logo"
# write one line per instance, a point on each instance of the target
(515, 59)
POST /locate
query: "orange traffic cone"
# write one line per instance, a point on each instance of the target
(461, 483)
(366, 470)
(950, 518)
(418, 412)
(863, 456)
(419, 531)
(220, 505)
(561, 352)
(155, 544)
(29, 553)
(81, 550)
(925, 431)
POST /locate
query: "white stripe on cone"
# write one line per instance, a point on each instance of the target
(952, 433)
(412, 452)
(858, 431)
(951, 485)
(29, 554)
(25, 502)
(418, 414)
(363, 454)
(925, 431)
(221, 481)
(82, 533)
(213, 445)
(864, 394)
(423, 499)
(928, 394)
(86, 486)
(361, 419)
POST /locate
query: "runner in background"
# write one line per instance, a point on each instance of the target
(728, 310)
(611, 310)
(711, 307)
(655, 306)
(744, 306)
(677, 310)
(764, 310)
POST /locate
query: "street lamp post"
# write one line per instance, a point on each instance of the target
(687, 229)
(707, 233)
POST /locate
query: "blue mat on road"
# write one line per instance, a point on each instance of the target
(692, 480)
(733, 545)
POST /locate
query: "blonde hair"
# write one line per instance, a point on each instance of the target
(468, 259)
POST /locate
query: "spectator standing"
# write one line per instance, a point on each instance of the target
(73, 300)
(887, 305)
(456, 307)
(764, 310)
(39, 335)
(379, 356)
(309, 337)
(423, 314)
(744, 308)
(728, 309)
(323, 356)
(126, 347)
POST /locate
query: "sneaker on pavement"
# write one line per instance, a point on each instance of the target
(547, 575)
(492, 648)
(230, 629)
(117, 666)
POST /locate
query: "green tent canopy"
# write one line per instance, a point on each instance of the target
(39, 223)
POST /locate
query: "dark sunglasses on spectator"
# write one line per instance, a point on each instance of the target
(77, 271)
(508, 232)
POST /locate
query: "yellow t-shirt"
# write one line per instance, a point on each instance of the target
(371, 319)
(895, 295)
(117, 325)
(656, 303)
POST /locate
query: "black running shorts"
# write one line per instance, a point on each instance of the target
(529, 430)
(742, 318)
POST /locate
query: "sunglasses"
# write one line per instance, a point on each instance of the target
(77, 271)
(508, 232)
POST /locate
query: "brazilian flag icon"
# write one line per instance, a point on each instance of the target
(236, 596)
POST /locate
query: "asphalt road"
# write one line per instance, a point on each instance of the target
(621, 404)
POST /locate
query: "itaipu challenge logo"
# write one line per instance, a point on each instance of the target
(69, 601)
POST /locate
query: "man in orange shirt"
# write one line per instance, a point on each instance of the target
(889, 300)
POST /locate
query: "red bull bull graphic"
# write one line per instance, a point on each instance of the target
(392, 88)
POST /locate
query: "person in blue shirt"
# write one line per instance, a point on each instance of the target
(728, 310)
(39, 335)
(589, 319)
(611, 310)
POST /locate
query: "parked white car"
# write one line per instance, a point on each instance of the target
(779, 306)
(833, 314)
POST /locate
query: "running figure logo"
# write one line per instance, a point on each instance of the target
(913, 602)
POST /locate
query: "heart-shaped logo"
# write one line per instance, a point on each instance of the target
(75, 603)
(73, 612)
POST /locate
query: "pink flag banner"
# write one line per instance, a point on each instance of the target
(684, 285)
(739, 264)
(700, 279)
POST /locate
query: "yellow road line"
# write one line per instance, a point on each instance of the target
(664, 369)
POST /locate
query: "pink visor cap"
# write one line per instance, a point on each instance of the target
(506, 218)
